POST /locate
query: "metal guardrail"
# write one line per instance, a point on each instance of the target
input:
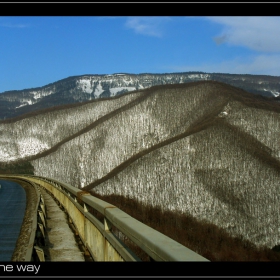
(98, 237)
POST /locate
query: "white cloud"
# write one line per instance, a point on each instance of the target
(261, 64)
(258, 65)
(259, 33)
(151, 26)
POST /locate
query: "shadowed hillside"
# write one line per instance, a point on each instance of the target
(204, 150)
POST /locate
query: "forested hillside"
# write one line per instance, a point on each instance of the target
(83, 88)
(205, 149)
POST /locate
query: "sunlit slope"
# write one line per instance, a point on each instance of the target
(205, 148)
(166, 113)
(33, 134)
(262, 124)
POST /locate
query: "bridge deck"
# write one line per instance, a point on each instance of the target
(60, 243)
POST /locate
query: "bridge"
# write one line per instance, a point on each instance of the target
(103, 231)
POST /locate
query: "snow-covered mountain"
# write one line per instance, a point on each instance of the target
(88, 87)
(204, 149)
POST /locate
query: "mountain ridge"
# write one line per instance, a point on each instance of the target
(83, 88)
(205, 149)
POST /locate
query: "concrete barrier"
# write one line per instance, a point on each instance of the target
(32, 251)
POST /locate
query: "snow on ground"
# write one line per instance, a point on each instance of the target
(128, 81)
(22, 105)
(41, 93)
(85, 85)
(115, 90)
(31, 146)
(98, 91)
(5, 156)
(26, 102)
(198, 76)
(275, 93)
(36, 95)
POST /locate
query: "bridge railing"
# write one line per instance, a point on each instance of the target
(97, 235)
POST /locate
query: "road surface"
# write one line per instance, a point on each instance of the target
(12, 210)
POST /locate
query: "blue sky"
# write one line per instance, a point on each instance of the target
(38, 50)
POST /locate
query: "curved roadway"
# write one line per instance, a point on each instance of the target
(12, 210)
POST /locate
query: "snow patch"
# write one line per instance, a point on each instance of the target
(26, 102)
(223, 114)
(31, 146)
(98, 91)
(85, 85)
(40, 94)
(199, 76)
(275, 93)
(114, 91)
(5, 155)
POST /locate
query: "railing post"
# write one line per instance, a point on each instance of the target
(107, 224)
(42, 206)
(41, 226)
(40, 253)
(41, 215)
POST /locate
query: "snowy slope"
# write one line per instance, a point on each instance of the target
(88, 87)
